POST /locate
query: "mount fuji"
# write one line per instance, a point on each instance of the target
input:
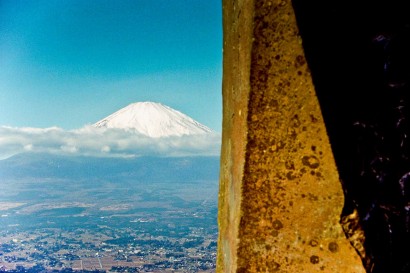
(154, 120)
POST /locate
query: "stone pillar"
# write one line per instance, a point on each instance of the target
(280, 197)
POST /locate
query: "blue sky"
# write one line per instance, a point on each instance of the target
(69, 63)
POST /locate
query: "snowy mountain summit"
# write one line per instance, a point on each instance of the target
(154, 120)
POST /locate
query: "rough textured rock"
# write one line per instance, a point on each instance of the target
(280, 196)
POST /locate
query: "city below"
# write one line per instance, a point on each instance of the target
(64, 214)
(182, 240)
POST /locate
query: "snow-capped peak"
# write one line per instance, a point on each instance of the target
(154, 120)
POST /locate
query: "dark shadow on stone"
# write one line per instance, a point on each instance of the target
(361, 72)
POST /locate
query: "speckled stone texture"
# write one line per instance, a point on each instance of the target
(280, 196)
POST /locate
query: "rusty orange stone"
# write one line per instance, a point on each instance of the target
(280, 197)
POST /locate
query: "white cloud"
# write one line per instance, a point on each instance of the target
(28, 147)
(91, 141)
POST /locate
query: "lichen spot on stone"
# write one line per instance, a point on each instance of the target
(313, 243)
(300, 61)
(333, 247)
(310, 161)
(277, 225)
(314, 259)
(290, 176)
(313, 148)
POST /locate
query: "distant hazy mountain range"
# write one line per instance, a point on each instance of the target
(147, 169)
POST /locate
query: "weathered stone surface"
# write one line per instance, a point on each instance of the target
(280, 196)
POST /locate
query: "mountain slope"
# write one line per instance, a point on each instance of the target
(154, 120)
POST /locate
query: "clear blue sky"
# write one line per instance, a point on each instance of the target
(68, 63)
